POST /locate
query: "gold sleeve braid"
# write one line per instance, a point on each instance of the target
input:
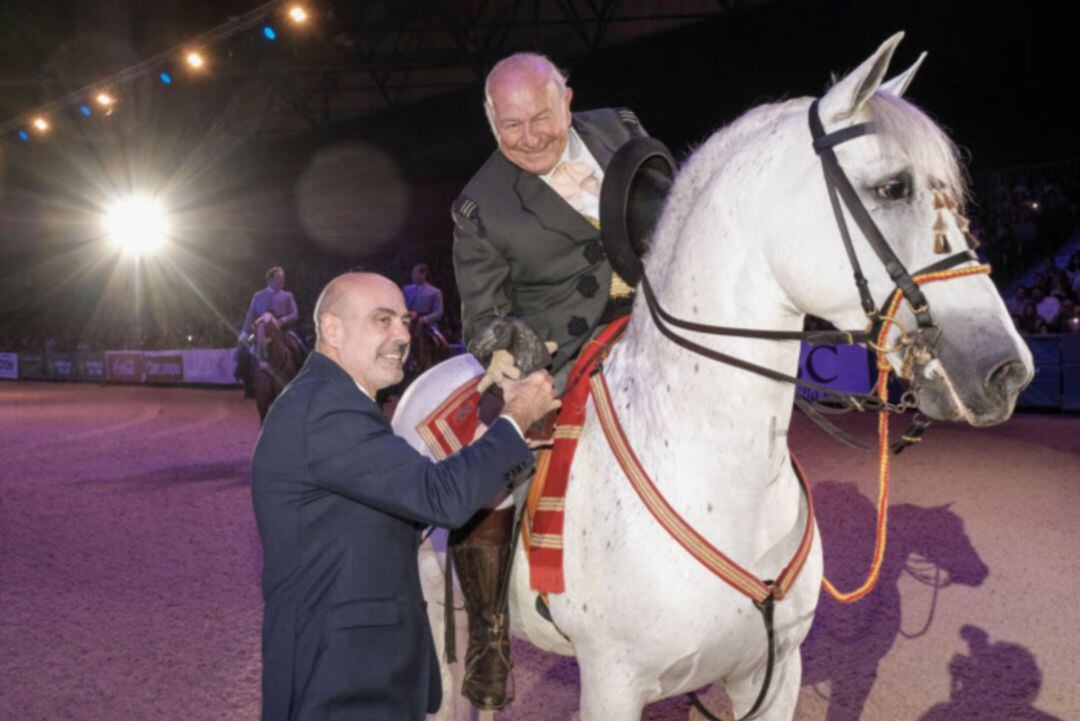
(619, 287)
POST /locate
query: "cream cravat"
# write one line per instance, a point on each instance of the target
(572, 179)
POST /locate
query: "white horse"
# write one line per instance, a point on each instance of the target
(748, 239)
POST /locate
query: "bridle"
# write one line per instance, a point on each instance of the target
(917, 346)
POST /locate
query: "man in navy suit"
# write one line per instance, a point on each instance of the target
(340, 501)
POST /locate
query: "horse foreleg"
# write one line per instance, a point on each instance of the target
(609, 690)
(779, 703)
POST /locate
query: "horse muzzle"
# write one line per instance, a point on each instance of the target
(981, 393)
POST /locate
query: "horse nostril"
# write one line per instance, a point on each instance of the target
(1005, 377)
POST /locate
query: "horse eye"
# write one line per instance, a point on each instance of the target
(895, 189)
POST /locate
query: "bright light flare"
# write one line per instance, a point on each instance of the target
(298, 14)
(137, 225)
(195, 60)
(41, 124)
(105, 100)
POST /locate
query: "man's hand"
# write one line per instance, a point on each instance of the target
(530, 399)
(501, 367)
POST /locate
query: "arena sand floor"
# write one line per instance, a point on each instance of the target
(129, 569)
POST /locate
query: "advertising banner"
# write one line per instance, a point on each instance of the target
(60, 366)
(32, 366)
(90, 367)
(9, 366)
(124, 366)
(209, 365)
(843, 367)
(163, 366)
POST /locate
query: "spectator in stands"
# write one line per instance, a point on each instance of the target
(1019, 299)
(1068, 320)
(1046, 305)
(1029, 322)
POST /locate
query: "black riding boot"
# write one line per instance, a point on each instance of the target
(481, 553)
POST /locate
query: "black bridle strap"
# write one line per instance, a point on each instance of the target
(837, 182)
(858, 401)
(964, 256)
(814, 337)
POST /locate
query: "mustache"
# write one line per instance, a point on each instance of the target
(394, 349)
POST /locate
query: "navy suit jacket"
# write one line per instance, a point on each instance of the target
(340, 501)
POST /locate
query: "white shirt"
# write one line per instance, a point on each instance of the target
(577, 151)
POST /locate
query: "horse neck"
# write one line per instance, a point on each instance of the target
(729, 421)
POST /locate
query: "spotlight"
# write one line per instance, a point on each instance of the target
(268, 33)
(137, 225)
(166, 79)
(41, 124)
(195, 60)
(298, 14)
(105, 100)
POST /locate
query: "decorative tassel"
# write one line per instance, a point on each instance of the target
(941, 243)
(964, 225)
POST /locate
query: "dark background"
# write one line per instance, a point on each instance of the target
(376, 191)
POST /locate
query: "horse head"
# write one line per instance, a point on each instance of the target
(761, 199)
(906, 175)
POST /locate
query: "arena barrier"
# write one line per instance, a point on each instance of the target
(203, 366)
(1056, 384)
(1057, 372)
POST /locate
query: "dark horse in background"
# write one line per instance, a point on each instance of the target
(276, 359)
(427, 348)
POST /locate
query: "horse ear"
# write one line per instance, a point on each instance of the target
(849, 95)
(898, 86)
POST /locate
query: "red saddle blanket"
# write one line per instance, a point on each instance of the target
(453, 425)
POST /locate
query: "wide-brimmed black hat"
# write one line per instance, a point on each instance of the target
(636, 184)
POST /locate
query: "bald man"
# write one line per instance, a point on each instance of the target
(527, 244)
(340, 502)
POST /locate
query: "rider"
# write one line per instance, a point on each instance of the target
(272, 304)
(423, 300)
(527, 244)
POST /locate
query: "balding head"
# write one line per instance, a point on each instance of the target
(361, 324)
(528, 106)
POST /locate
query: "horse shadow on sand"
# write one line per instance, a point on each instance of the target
(847, 642)
(994, 682)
